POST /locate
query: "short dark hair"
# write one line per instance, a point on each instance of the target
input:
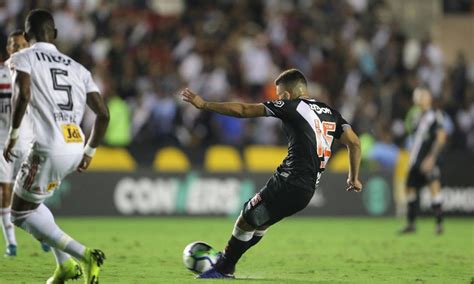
(15, 33)
(40, 21)
(291, 77)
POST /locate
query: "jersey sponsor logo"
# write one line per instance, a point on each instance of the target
(255, 200)
(41, 56)
(320, 110)
(278, 103)
(71, 133)
(52, 186)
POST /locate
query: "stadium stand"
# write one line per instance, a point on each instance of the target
(356, 58)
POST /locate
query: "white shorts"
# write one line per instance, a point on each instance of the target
(8, 171)
(42, 173)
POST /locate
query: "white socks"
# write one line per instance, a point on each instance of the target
(40, 223)
(7, 226)
(242, 235)
(259, 233)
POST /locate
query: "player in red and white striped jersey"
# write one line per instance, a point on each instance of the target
(8, 171)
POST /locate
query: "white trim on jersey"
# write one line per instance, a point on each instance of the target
(310, 116)
(424, 125)
(268, 112)
(314, 121)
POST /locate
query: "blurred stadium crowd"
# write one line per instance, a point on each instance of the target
(353, 52)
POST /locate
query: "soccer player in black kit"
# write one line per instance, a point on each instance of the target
(311, 128)
(429, 139)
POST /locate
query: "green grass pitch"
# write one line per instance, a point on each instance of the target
(297, 250)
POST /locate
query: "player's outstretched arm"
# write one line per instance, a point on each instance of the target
(350, 139)
(22, 84)
(241, 110)
(98, 106)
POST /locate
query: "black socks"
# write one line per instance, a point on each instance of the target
(412, 211)
(438, 212)
(233, 252)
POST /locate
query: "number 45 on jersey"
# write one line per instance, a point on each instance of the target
(324, 140)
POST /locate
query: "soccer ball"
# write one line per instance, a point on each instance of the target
(199, 257)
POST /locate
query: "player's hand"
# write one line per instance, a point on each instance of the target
(428, 164)
(8, 151)
(85, 162)
(354, 185)
(192, 98)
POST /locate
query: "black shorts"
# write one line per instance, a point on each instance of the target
(275, 201)
(418, 179)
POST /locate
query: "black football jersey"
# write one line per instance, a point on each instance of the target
(310, 128)
(426, 127)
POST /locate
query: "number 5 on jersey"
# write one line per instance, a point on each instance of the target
(65, 88)
(324, 140)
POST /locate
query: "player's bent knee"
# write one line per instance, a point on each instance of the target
(21, 209)
(242, 224)
(257, 216)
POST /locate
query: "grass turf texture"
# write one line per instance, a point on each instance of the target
(298, 250)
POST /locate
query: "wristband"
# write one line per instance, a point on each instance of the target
(89, 151)
(14, 133)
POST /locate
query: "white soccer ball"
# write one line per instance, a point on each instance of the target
(199, 257)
